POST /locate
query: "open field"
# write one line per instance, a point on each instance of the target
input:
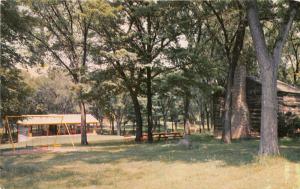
(209, 164)
(61, 139)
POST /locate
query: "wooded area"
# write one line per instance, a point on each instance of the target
(151, 94)
(139, 63)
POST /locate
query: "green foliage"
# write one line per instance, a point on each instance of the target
(53, 93)
(13, 89)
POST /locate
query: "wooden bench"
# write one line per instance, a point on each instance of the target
(165, 136)
(162, 135)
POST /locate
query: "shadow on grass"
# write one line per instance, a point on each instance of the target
(205, 149)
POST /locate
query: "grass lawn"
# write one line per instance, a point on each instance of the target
(209, 164)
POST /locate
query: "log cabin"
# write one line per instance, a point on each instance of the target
(288, 108)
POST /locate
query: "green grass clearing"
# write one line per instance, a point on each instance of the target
(209, 164)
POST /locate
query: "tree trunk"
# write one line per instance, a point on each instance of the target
(236, 52)
(268, 66)
(207, 117)
(202, 119)
(186, 120)
(138, 117)
(240, 127)
(165, 123)
(269, 132)
(119, 122)
(226, 135)
(101, 125)
(83, 123)
(149, 106)
(112, 126)
(158, 124)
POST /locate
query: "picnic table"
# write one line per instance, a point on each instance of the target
(164, 135)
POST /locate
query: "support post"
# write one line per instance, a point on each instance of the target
(69, 135)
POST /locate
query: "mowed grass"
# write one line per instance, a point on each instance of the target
(209, 164)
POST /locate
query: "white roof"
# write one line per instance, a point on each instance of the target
(55, 119)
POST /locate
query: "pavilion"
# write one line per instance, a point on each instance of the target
(54, 124)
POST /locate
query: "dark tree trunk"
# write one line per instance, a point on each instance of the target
(119, 122)
(138, 117)
(165, 123)
(124, 128)
(207, 117)
(226, 134)
(149, 106)
(269, 66)
(83, 123)
(101, 125)
(236, 52)
(202, 119)
(112, 126)
(186, 120)
(158, 124)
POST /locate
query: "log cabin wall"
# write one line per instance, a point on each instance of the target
(253, 93)
(288, 108)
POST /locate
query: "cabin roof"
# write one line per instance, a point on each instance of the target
(55, 119)
(281, 86)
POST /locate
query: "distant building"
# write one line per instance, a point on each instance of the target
(54, 124)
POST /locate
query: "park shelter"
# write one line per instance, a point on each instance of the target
(53, 124)
(288, 107)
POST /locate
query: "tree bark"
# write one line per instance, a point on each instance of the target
(268, 66)
(119, 127)
(83, 123)
(240, 126)
(149, 106)
(226, 134)
(186, 120)
(202, 118)
(207, 117)
(112, 126)
(138, 117)
(236, 52)
(165, 123)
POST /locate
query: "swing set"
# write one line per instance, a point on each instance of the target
(44, 121)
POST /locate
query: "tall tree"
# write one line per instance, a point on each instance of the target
(268, 63)
(154, 28)
(63, 33)
(232, 40)
(142, 29)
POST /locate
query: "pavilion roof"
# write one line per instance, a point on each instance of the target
(55, 119)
